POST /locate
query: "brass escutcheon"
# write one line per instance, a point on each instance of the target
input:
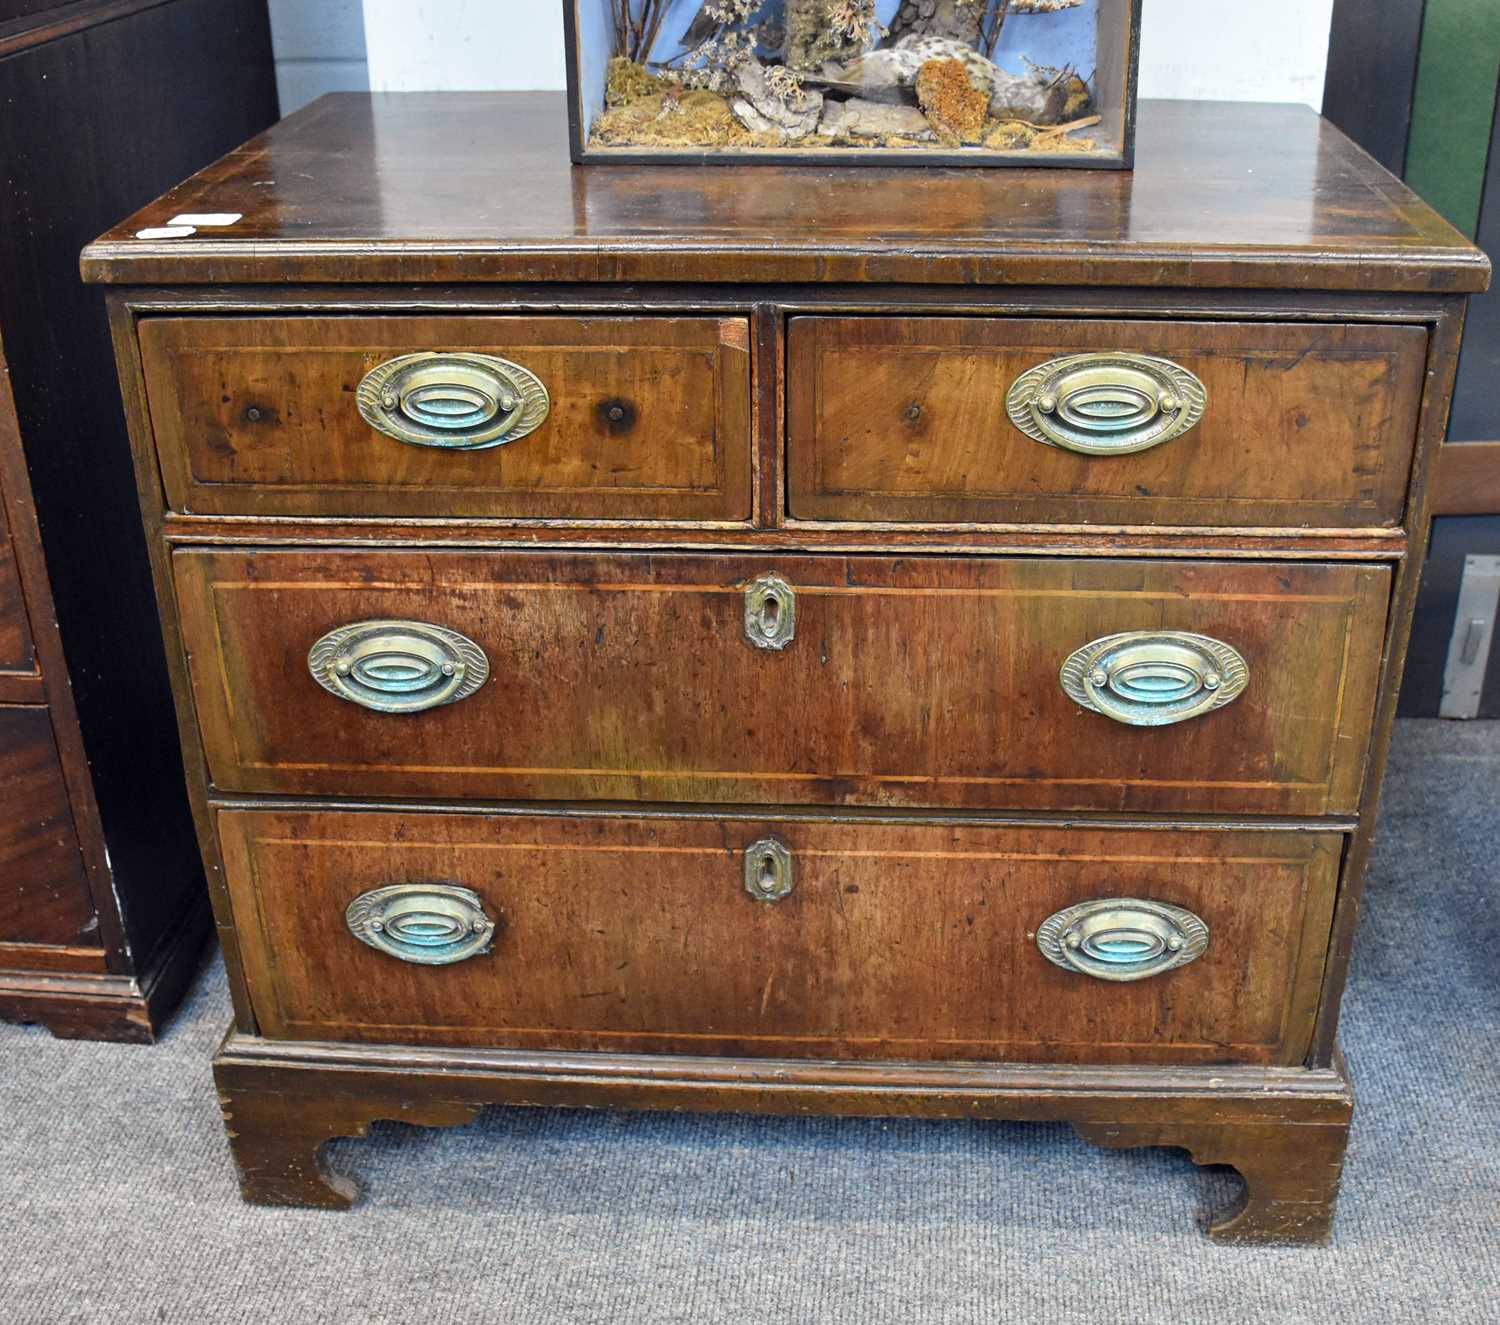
(768, 870)
(770, 613)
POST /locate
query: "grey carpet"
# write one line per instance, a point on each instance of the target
(117, 1201)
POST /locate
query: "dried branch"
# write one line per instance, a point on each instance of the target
(991, 37)
(637, 26)
(1000, 10)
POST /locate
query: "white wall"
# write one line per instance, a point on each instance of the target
(320, 47)
(1224, 50)
(1271, 50)
(466, 45)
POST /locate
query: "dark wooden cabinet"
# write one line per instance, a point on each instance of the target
(102, 912)
(933, 651)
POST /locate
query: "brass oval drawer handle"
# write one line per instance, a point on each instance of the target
(770, 612)
(1122, 938)
(1106, 404)
(456, 402)
(1153, 678)
(768, 870)
(398, 666)
(434, 924)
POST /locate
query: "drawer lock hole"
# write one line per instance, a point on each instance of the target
(768, 870)
(770, 613)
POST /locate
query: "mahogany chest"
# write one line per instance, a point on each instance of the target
(858, 642)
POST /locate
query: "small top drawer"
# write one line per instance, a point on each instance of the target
(1016, 420)
(631, 418)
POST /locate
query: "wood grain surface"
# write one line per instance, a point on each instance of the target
(895, 942)
(16, 652)
(1466, 479)
(650, 418)
(45, 898)
(919, 682)
(1283, 1129)
(362, 189)
(905, 419)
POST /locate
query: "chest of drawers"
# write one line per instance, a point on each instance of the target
(788, 641)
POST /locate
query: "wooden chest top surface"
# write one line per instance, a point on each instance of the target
(479, 187)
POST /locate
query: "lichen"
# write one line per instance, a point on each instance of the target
(819, 31)
(628, 81)
(954, 107)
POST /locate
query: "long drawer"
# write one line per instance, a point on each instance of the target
(988, 682)
(874, 941)
(1015, 420)
(617, 418)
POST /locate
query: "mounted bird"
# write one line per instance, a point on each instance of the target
(890, 75)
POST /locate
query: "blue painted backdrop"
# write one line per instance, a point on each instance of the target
(1067, 37)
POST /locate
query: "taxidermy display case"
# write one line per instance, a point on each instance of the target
(893, 82)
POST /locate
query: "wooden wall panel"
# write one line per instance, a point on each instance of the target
(1372, 73)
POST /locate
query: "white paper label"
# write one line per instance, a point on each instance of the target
(207, 219)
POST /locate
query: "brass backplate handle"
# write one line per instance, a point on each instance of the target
(455, 402)
(1154, 678)
(768, 870)
(770, 613)
(1120, 939)
(1106, 404)
(398, 666)
(430, 924)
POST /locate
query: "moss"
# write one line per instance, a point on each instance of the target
(953, 105)
(1018, 136)
(628, 81)
(1010, 136)
(693, 119)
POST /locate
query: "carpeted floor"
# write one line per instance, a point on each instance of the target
(118, 1203)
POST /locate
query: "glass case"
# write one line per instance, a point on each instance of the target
(893, 82)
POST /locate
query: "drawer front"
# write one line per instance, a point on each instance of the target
(614, 417)
(891, 942)
(16, 653)
(923, 682)
(907, 419)
(44, 892)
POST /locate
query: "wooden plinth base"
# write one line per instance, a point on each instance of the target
(129, 1009)
(1283, 1129)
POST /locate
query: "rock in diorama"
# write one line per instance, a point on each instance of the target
(967, 82)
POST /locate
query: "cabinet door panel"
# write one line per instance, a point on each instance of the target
(44, 893)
